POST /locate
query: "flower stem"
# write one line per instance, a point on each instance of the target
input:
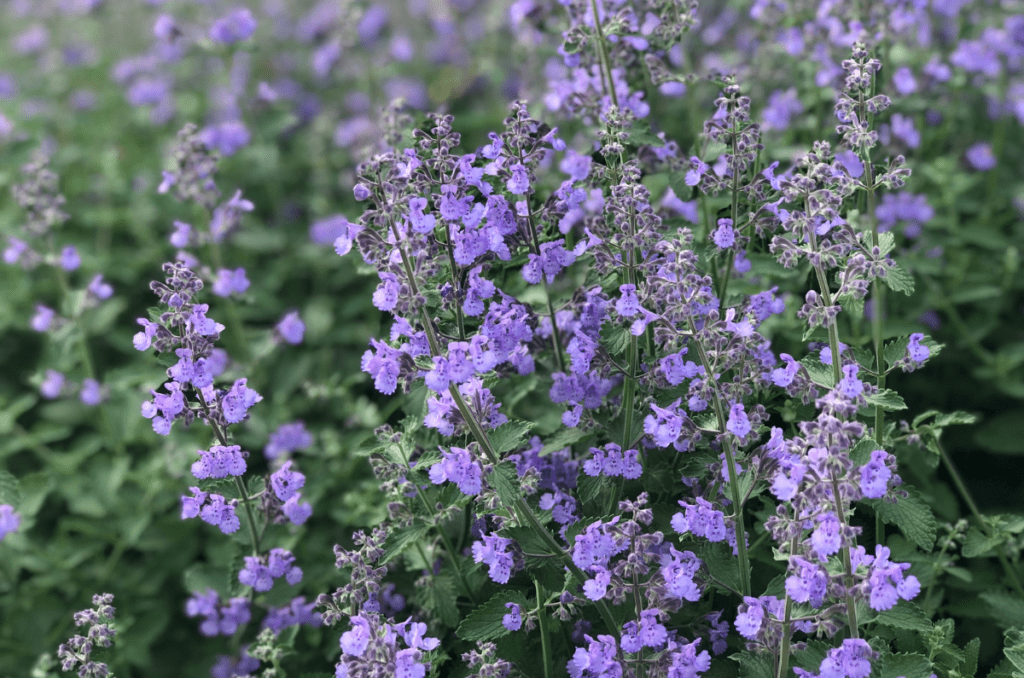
(734, 488)
(543, 622)
(851, 603)
(603, 55)
(986, 528)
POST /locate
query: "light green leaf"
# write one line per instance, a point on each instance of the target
(399, 540)
(979, 544)
(1007, 610)
(888, 400)
(10, 493)
(505, 482)
(900, 281)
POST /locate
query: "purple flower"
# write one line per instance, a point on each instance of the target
(295, 512)
(850, 386)
(237, 401)
(980, 157)
(91, 393)
(219, 512)
(52, 385)
(665, 425)
(915, 350)
(628, 304)
(782, 106)
(750, 618)
(256, 574)
(850, 660)
(227, 137)
(230, 282)
(493, 552)
(724, 236)
(808, 583)
(182, 234)
(191, 506)
(330, 230)
(459, 467)
(43, 318)
(100, 289)
(783, 376)
(287, 438)
(356, 639)
(9, 520)
(285, 482)
(69, 259)
(291, 328)
(738, 423)
(235, 27)
(519, 182)
(904, 81)
(220, 462)
(513, 621)
(904, 130)
(875, 475)
(700, 519)
(596, 588)
(827, 537)
(383, 366)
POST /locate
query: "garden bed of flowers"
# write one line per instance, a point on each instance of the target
(625, 338)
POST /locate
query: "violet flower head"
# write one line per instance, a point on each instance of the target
(981, 157)
(43, 318)
(291, 328)
(99, 289)
(513, 620)
(236, 26)
(724, 236)
(91, 393)
(69, 259)
(9, 520)
(286, 439)
(52, 385)
(230, 282)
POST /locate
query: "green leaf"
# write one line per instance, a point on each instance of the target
(905, 616)
(888, 400)
(591, 487)
(399, 540)
(979, 544)
(615, 338)
(818, 372)
(640, 135)
(677, 182)
(1007, 610)
(484, 623)
(900, 281)
(562, 439)
(905, 665)
(969, 666)
(1002, 434)
(886, 242)
(811, 657)
(10, 493)
(440, 596)
(510, 436)
(912, 515)
(1014, 648)
(722, 565)
(527, 538)
(202, 576)
(757, 665)
(505, 482)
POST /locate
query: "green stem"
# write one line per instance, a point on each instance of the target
(542, 621)
(877, 302)
(603, 55)
(832, 326)
(851, 603)
(786, 635)
(734, 488)
(947, 461)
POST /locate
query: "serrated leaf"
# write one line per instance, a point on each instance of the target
(1008, 611)
(591, 487)
(484, 623)
(905, 616)
(10, 493)
(440, 596)
(615, 338)
(677, 182)
(900, 281)
(888, 400)
(505, 482)
(722, 565)
(979, 544)
(818, 372)
(861, 452)
(886, 242)
(510, 436)
(912, 515)
(1014, 649)
(810, 658)
(904, 665)
(755, 665)
(969, 666)
(399, 540)
(527, 538)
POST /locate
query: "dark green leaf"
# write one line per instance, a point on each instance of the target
(722, 565)
(905, 616)
(440, 596)
(969, 666)
(505, 482)
(1007, 610)
(562, 439)
(484, 623)
(912, 515)
(1014, 648)
(9, 491)
(591, 487)
(979, 544)
(510, 436)
(904, 665)
(818, 372)
(1002, 434)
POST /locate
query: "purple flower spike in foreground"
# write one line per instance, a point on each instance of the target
(69, 259)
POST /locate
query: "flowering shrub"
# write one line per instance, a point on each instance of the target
(596, 338)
